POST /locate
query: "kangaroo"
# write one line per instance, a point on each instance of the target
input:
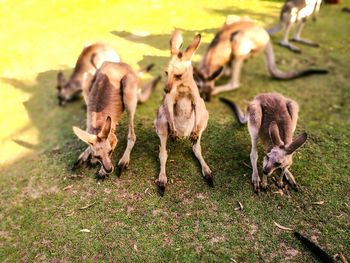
(182, 113)
(273, 118)
(296, 12)
(89, 61)
(114, 89)
(238, 40)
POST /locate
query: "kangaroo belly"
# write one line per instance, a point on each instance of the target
(184, 117)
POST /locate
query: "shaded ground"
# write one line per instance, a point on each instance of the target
(40, 209)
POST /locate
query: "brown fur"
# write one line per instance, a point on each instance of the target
(238, 40)
(273, 118)
(183, 112)
(89, 61)
(273, 109)
(114, 90)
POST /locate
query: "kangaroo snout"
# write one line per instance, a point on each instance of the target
(167, 89)
(168, 86)
(109, 170)
(61, 101)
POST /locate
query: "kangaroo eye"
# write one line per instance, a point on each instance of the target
(178, 76)
(98, 157)
(110, 152)
(166, 73)
(277, 164)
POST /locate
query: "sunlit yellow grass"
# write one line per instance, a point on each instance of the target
(37, 36)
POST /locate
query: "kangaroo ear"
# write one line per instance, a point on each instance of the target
(198, 73)
(275, 134)
(192, 47)
(106, 129)
(85, 136)
(61, 80)
(176, 42)
(298, 142)
(215, 74)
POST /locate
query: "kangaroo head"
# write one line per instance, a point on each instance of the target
(206, 82)
(180, 67)
(280, 155)
(67, 90)
(101, 145)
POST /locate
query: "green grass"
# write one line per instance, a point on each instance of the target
(40, 221)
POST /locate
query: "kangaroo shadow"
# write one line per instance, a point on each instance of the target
(233, 10)
(160, 41)
(52, 122)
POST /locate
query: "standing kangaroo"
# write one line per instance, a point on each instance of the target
(183, 112)
(89, 61)
(237, 40)
(273, 118)
(114, 89)
(296, 12)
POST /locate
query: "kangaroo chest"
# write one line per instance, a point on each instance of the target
(183, 113)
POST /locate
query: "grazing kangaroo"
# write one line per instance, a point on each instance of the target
(296, 12)
(89, 61)
(183, 112)
(114, 89)
(237, 40)
(273, 118)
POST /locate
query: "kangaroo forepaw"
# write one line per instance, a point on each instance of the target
(101, 176)
(194, 137)
(76, 165)
(174, 136)
(91, 164)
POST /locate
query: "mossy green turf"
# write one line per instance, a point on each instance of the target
(41, 219)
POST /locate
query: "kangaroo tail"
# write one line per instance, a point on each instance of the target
(148, 68)
(319, 252)
(145, 93)
(241, 118)
(278, 74)
(277, 28)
